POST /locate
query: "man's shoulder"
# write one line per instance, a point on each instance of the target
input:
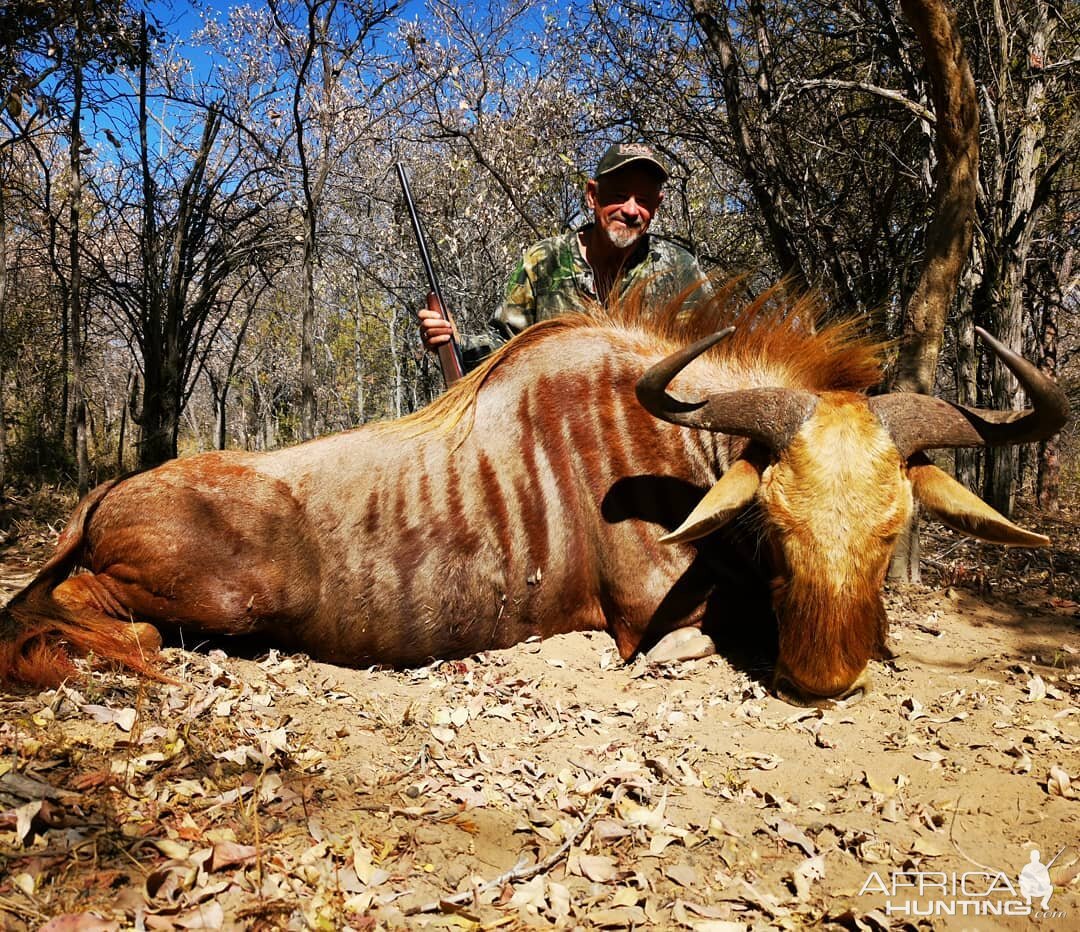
(546, 256)
(550, 245)
(668, 252)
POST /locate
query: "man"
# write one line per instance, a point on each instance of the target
(604, 258)
(1035, 881)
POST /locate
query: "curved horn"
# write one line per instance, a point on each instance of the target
(920, 422)
(771, 416)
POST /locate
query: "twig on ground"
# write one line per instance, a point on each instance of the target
(956, 844)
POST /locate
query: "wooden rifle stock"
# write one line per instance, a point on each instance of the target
(449, 353)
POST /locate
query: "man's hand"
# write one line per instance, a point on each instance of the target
(435, 330)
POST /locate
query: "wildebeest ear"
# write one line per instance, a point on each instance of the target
(955, 506)
(734, 491)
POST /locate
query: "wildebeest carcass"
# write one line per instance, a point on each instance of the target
(558, 488)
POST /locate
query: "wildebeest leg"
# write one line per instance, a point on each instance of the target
(45, 626)
(86, 597)
(682, 644)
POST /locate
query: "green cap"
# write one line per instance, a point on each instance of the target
(623, 153)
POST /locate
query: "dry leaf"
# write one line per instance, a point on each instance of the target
(657, 844)
(890, 811)
(172, 849)
(929, 847)
(24, 882)
(124, 719)
(1022, 765)
(229, 854)
(558, 899)
(609, 830)
(806, 873)
(683, 874)
(598, 868)
(443, 734)
(1036, 689)
(1059, 783)
(79, 922)
(24, 819)
(793, 835)
(718, 925)
(1067, 874)
(641, 816)
(271, 741)
(622, 917)
(530, 895)
(208, 915)
(878, 785)
(912, 708)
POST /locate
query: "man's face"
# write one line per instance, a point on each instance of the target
(623, 203)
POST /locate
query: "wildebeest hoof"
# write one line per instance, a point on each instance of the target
(681, 644)
(146, 636)
(886, 652)
(784, 689)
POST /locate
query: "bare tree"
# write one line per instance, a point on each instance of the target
(1051, 282)
(949, 233)
(202, 218)
(75, 295)
(321, 39)
(1025, 154)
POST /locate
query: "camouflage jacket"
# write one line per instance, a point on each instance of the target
(553, 278)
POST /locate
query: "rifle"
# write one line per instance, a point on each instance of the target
(449, 353)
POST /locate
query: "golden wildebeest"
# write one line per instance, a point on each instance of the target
(560, 487)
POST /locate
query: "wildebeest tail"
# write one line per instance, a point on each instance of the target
(40, 636)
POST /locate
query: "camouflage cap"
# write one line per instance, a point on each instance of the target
(623, 153)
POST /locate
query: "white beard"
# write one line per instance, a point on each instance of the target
(622, 236)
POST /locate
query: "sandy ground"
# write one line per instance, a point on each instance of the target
(553, 786)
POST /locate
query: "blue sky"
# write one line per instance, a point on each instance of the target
(181, 18)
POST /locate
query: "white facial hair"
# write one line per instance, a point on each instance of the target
(623, 237)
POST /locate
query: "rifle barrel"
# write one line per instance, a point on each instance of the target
(449, 354)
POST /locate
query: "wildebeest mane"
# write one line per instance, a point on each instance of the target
(777, 342)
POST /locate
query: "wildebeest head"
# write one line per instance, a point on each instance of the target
(835, 475)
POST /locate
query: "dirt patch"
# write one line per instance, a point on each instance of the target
(551, 785)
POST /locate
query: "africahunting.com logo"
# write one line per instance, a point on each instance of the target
(968, 893)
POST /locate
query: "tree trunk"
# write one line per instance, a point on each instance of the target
(967, 374)
(949, 233)
(1016, 212)
(307, 332)
(165, 293)
(1048, 470)
(358, 352)
(78, 396)
(221, 407)
(399, 376)
(129, 390)
(159, 420)
(3, 338)
(155, 417)
(219, 390)
(757, 158)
